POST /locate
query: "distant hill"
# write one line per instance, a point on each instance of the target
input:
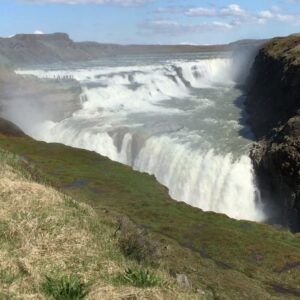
(31, 49)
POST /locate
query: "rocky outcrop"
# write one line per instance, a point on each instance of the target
(277, 163)
(273, 105)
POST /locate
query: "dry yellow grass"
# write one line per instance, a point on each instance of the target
(43, 232)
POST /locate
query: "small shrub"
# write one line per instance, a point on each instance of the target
(135, 243)
(139, 278)
(65, 288)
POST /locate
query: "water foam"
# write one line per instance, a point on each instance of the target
(197, 175)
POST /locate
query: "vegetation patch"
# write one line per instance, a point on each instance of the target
(136, 243)
(66, 288)
(139, 278)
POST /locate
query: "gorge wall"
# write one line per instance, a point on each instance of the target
(273, 104)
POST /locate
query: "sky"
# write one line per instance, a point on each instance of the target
(152, 21)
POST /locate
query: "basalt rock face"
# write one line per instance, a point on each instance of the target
(274, 85)
(277, 164)
(273, 105)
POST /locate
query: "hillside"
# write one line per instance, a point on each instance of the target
(221, 257)
(46, 234)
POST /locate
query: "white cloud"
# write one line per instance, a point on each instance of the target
(219, 25)
(174, 28)
(275, 8)
(38, 32)
(171, 10)
(233, 10)
(260, 21)
(163, 27)
(285, 18)
(267, 15)
(225, 18)
(74, 2)
(200, 11)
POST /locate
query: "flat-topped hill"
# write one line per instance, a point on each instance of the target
(33, 49)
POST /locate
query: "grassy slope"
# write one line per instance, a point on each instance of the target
(46, 233)
(284, 48)
(233, 260)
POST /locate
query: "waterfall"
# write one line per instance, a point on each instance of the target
(130, 114)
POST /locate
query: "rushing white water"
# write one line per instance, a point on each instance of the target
(175, 119)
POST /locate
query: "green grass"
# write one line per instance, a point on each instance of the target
(65, 288)
(139, 278)
(229, 257)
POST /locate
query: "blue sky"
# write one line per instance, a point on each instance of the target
(152, 21)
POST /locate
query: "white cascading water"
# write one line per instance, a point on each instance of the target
(176, 120)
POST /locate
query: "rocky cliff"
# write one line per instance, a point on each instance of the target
(273, 105)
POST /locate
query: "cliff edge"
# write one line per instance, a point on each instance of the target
(273, 104)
